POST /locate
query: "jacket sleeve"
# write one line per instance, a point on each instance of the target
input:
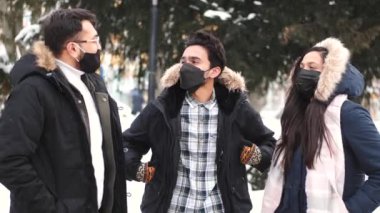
(21, 126)
(254, 131)
(136, 142)
(362, 136)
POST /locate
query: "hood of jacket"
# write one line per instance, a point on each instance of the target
(39, 61)
(338, 76)
(232, 80)
(229, 88)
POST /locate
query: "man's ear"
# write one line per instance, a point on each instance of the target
(215, 72)
(72, 49)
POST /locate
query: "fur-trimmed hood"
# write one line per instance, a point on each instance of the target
(45, 57)
(39, 61)
(232, 80)
(338, 75)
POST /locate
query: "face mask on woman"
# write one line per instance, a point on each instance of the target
(306, 82)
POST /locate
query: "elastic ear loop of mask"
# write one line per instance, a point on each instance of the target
(81, 49)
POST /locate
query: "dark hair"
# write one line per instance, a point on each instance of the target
(302, 122)
(214, 47)
(62, 25)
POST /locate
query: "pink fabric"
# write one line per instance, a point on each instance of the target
(324, 184)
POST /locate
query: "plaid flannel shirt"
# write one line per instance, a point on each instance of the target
(196, 188)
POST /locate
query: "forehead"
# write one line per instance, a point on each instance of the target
(313, 57)
(195, 51)
(88, 30)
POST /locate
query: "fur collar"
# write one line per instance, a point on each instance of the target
(232, 80)
(44, 56)
(334, 67)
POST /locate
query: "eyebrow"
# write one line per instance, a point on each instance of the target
(191, 58)
(310, 63)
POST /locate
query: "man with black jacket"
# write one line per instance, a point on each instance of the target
(202, 132)
(60, 137)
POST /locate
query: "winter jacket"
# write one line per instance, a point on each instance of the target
(45, 158)
(158, 128)
(361, 139)
(361, 142)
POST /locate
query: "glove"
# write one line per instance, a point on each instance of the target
(149, 173)
(145, 173)
(250, 155)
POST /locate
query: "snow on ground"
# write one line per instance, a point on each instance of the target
(135, 190)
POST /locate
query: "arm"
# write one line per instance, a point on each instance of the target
(136, 144)
(256, 136)
(21, 126)
(361, 135)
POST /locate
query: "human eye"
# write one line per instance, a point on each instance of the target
(315, 66)
(194, 61)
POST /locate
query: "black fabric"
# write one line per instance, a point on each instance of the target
(108, 154)
(293, 198)
(45, 158)
(86, 80)
(306, 82)
(157, 128)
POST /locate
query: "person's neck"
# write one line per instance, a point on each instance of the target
(204, 93)
(68, 60)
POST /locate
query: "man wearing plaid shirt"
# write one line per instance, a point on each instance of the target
(202, 132)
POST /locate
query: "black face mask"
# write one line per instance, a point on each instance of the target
(191, 77)
(306, 82)
(90, 62)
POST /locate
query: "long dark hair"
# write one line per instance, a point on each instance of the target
(302, 122)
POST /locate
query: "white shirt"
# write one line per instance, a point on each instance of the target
(96, 136)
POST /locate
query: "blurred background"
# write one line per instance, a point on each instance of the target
(140, 39)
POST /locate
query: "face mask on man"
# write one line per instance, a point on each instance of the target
(306, 82)
(191, 77)
(90, 62)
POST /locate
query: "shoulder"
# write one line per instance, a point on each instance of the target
(243, 102)
(33, 82)
(357, 124)
(151, 110)
(353, 112)
(244, 109)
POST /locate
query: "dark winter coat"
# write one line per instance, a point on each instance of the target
(45, 158)
(361, 139)
(361, 142)
(158, 128)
